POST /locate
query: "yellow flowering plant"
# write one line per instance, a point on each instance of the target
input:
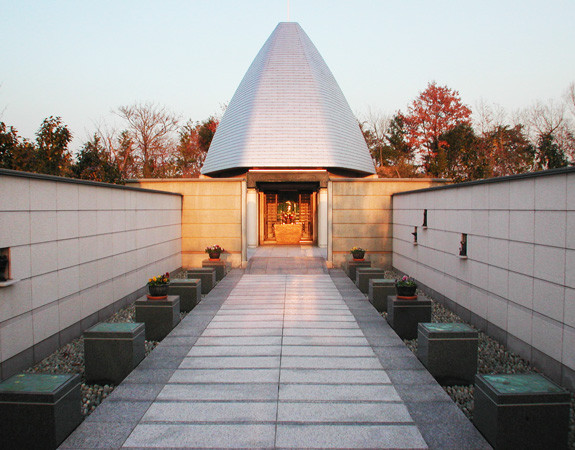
(159, 280)
(358, 252)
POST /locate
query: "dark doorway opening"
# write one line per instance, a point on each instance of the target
(287, 203)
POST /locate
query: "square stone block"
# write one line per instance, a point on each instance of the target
(521, 411)
(189, 290)
(364, 274)
(113, 350)
(448, 351)
(160, 316)
(219, 265)
(378, 291)
(405, 315)
(38, 410)
(207, 275)
(352, 265)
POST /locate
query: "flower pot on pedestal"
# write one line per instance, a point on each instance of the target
(158, 292)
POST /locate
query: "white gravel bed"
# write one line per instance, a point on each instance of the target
(70, 359)
(493, 358)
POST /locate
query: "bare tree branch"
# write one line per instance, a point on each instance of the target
(152, 129)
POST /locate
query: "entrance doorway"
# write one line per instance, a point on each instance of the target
(287, 206)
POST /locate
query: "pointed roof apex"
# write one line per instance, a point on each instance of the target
(288, 112)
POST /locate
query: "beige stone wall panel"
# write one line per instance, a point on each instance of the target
(211, 231)
(370, 244)
(517, 278)
(354, 216)
(361, 202)
(73, 246)
(199, 244)
(224, 216)
(376, 230)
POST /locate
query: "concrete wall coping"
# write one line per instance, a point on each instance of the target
(390, 180)
(186, 180)
(41, 176)
(521, 176)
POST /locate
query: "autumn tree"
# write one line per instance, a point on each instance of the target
(151, 128)
(194, 141)
(15, 153)
(433, 113)
(52, 155)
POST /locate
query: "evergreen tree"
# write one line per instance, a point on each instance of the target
(93, 164)
(52, 154)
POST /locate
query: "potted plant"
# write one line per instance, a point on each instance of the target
(158, 286)
(405, 288)
(214, 251)
(357, 253)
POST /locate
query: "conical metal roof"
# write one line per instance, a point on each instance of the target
(288, 112)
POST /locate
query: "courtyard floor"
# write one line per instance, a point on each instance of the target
(285, 354)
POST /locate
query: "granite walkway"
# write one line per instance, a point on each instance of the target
(279, 361)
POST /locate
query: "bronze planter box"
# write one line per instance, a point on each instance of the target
(189, 290)
(39, 410)
(405, 315)
(448, 351)
(364, 274)
(207, 275)
(521, 411)
(113, 350)
(352, 266)
(160, 316)
(219, 266)
(379, 290)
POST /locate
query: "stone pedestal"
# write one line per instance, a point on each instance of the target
(448, 351)
(220, 267)
(160, 316)
(207, 275)
(189, 290)
(378, 291)
(521, 411)
(405, 315)
(352, 265)
(113, 350)
(38, 410)
(364, 274)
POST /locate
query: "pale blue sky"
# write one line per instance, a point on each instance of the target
(80, 59)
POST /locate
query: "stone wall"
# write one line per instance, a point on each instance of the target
(79, 251)
(213, 212)
(360, 215)
(518, 279)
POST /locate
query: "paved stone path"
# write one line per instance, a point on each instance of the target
(279, 361)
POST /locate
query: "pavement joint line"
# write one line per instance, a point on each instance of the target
(359, 399)
(278, 422)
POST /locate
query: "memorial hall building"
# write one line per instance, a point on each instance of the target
(288, 153)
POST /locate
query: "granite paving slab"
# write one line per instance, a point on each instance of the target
(276, 358)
